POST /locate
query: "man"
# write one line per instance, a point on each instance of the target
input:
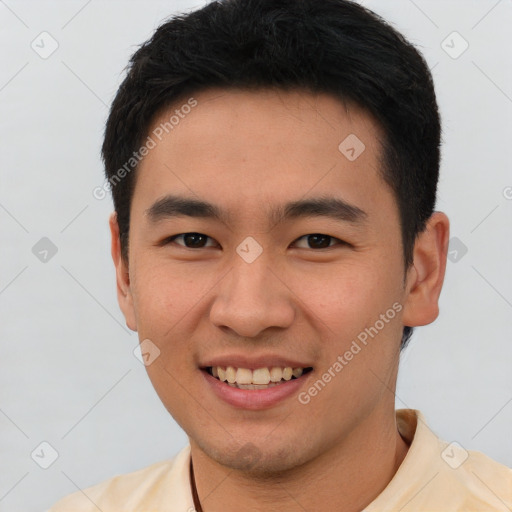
(274, 167)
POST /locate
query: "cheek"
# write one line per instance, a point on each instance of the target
(357, 313)
(164, 293)
(348, 298)
(165, 299)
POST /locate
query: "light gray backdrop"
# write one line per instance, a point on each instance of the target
(69, 377)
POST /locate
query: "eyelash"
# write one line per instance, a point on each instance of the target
(174, 237)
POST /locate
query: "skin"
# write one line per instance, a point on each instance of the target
(245, 151)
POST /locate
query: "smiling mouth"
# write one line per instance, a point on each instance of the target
(261, 378)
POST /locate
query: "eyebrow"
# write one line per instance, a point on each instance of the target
(331, 207)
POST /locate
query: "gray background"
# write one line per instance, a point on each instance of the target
(68, 373)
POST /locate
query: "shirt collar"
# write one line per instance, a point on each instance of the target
(421, 464)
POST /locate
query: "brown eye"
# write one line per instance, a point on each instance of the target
(320, 241)
(190, 240)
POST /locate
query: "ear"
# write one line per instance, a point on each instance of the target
(124, 294)
(425, 277)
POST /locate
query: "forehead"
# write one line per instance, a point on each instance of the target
(244, 149)
(268, 112)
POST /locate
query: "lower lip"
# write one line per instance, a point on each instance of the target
(255, 399)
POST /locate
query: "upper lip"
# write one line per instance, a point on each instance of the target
(254, 362)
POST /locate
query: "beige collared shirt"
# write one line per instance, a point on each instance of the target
(435, 476)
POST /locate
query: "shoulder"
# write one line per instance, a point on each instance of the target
(437, 475)
(466, 480)
(140, 488)
(487, 482)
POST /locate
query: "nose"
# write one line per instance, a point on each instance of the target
(251, 298)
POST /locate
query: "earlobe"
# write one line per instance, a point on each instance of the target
(425, 279)
(124, 293)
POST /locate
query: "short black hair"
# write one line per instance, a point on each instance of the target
(329, 46)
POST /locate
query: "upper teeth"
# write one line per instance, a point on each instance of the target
(259, 376)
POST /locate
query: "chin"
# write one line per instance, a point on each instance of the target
(262, 461)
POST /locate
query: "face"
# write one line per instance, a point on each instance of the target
(262, 285)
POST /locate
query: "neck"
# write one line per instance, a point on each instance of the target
(347, 476)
